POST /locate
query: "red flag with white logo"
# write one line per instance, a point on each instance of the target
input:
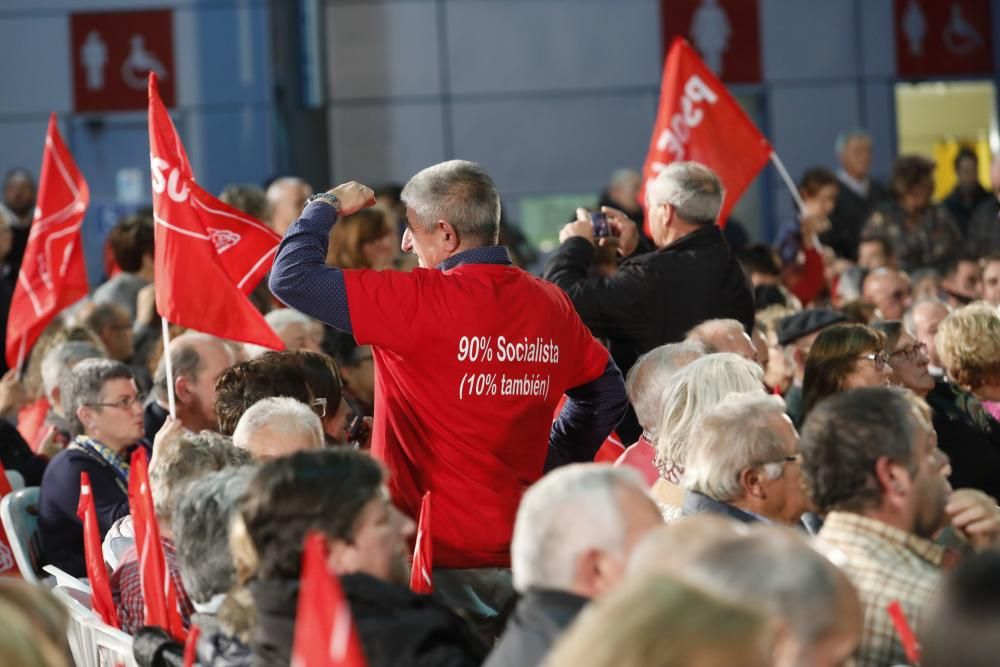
(423, 557)
(97, 571)
(52, 274)
(209, 256)
(324, 628)
(699, 120)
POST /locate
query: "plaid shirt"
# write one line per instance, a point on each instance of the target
(886, 564)
(126, 589)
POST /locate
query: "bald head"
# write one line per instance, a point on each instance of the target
(197, 361)
(888, 290)
(723, 336)
(287, 196)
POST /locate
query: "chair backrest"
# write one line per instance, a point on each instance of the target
(67, 580)
(15, 479)
(113, 647)
(19, 515)
(115, 548)
(81, 625)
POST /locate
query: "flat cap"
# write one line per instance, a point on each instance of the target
(803, 323)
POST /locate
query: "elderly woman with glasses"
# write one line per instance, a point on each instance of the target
(844, 356)
(964, 430)
(105, 412)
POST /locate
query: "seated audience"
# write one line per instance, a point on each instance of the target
(796, 335)
(672, 548)
(645, 383)
(276, 427)
(573, 535)
(963, 281)
(246, 382)
(56, 365)
(654, 621)
(745, 464)
(873, 469)
(889, 291)
(875, 252)
(968, 341)
(723, 336)
(922, 322)
(105, 413)
(131, 242)
(342, 494)
(991, 280)
(961, 628)
(844, 356)
(365, 239)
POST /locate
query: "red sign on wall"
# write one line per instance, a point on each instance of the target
(113, 53)
(935, 38)
(725, 33)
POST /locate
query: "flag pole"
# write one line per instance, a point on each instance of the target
(171, 401)
(789, 183)
(20, 357)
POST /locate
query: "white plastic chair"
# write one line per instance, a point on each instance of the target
(19, 515)
(67, 580)
(113, 647)
(81, 625)
(15, 479)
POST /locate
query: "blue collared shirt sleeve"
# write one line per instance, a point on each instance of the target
(589, 415)
(300, 276)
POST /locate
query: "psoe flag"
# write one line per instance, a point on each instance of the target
(698, 120)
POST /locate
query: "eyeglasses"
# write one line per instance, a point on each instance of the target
(321, 404)
(126, 403)
(881, 359)
(911, 352)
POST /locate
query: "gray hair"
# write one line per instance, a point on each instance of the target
(910, 316)
(736, 434)
(201, 531)
(568, 512)
(83, 386)
(651, 373)
(61, 358)
(696, 389)
(280, 318)
(708, 332)
(178, 462)
(459, 192)
(776, 568)
(185, 360)
(691, 189)
(847, 136)
(280, 414)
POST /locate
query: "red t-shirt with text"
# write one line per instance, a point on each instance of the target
(469, 365)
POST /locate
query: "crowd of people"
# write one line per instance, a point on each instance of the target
(810, 428)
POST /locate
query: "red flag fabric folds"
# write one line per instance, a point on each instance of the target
(324, 629)
(699, 120)
(423, 558)
(52, 274)
(159, 597)
(209, 256)
(97, 572)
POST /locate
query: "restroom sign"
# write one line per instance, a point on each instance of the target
(113, 54)
(725, 33)
(943, 37)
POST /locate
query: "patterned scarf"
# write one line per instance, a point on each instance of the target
(107, 456)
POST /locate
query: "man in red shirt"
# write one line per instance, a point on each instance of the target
(471, 357)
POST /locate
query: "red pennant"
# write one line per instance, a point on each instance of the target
(905, 632)
(209, 256)
(423, 554)
(699, 120)
(52, 274)
(159, 597)
(324, 629)
(97, 572)
(191, 646)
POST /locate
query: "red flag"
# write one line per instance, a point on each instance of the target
(324, 629)
(97, 572)
(905, 632)
(8, 566)
(191, 646)
(159, 597)
(52, 274)
(423, 554)
(209, 256)
(699, 120)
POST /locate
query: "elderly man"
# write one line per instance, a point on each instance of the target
(745, 464)
(922, 321)
(796, 334)
(889, 291)
(287, 195)
(574, 532)
(495, 348)
(197, 361)
(857, 196)
(656, 298)
(723, 335)
(872, 466)
(276, 427)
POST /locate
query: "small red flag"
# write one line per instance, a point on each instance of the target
(191, 646)
(905, 632)
(52, 274)
(699, 120)
(159, 597)
(208, 256)
(423, 554)
(8, 566)
(324, 629)
(97, 572)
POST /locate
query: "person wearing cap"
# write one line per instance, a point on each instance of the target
(796, 334)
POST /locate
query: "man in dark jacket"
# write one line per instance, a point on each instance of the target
(657, 297)
(858, 195)
(574, 533)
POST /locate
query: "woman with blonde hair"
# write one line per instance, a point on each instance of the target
(968, 342)
(844, 356)
(363, 240)
(654, 621)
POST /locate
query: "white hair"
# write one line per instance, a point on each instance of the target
(708, 333)
(847, 136)
(571, 510)
(691, 189)
(277, 319)
(650, 374)
(696, 389)
(62, 358)
(736, 434)
(279, 414)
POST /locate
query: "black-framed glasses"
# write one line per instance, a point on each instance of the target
(321, 404)
(126, 403)
(880, 359)
(911, 352)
